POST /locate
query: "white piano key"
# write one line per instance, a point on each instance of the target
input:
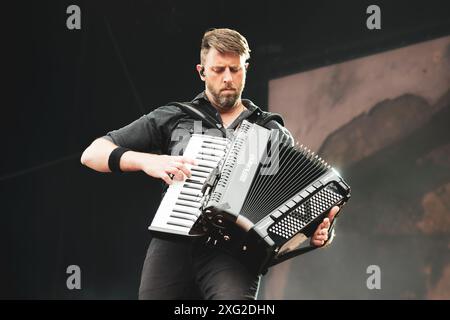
(171, 228)
(184, 216)
(194, 204)
(180, 222)
(200, 174)
(184, 209)
(189, 198)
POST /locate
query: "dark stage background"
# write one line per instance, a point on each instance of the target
(63, 88)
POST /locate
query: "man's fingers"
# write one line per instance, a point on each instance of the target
(333, 213)
(183, 168)
(177, 174)
(318, 243)
(175, 166)
(321, 237)
(324, 225)
(183, 159)
(166, 178)
(189, 160)
(321, 232)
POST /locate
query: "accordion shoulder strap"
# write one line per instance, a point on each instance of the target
(197, 114)
(261, 118)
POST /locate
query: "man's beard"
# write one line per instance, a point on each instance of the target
(225, 100)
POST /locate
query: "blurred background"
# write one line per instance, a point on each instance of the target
(374, 103)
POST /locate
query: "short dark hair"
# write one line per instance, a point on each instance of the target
(224, 40)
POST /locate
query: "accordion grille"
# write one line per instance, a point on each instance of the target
(308, 211)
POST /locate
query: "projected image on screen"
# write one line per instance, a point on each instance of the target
(384, 122)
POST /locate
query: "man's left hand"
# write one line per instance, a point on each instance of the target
(320, 236)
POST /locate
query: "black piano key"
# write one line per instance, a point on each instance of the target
(213, 147)
(213, 159)
(200, 169)
(217, 143)
(193, 186)
(202, 175)
(189, 198)
(188, 203)
(190, 180)
(191, 192)
(206, 152)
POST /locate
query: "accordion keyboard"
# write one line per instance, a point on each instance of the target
(180, 207)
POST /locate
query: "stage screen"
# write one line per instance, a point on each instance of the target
(383, 121)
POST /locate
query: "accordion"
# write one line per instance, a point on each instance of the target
(254, 194)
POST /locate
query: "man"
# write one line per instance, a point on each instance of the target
(183, 270)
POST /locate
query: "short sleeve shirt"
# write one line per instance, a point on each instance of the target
(165, 128)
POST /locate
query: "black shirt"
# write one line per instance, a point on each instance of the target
(167, 129)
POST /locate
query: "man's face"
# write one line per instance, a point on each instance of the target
(225, 78)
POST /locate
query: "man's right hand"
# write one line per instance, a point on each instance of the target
(157, 166)
(160, 166)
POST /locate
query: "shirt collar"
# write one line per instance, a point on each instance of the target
(200, 96)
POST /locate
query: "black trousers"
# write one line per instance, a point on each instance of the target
(177, 270)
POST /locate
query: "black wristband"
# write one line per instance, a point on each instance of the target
(114, 159)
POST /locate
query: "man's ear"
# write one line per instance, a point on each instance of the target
(201, 70)
(246, 66)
